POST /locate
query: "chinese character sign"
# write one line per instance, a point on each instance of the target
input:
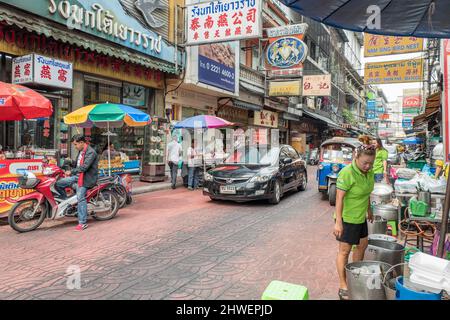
(21, 70)
(319, 85)
(377, 45)
(219, 21)
(394, 71)
(51, 72)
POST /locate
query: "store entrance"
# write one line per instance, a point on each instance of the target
(7, 135)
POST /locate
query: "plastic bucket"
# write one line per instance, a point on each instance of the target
(404, 293)
(366, 285)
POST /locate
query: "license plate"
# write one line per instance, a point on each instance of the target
(228, 189)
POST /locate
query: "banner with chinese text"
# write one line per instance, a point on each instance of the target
(377, 45)
(318, 85)
(393, 71)
(226, 20)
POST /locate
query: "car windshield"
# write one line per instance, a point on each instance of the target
(261, 156)
(337, 153)
(391, 149)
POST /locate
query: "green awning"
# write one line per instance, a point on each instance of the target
(50, 29)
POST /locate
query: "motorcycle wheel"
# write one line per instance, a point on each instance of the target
(22, 219)
(121, 195)
(112, 203)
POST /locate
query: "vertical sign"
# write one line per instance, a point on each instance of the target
(445, 57)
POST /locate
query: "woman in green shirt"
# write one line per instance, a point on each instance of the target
(380, 165)
(354, 185)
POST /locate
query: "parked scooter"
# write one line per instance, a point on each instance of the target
(31, 210)
(314, 157)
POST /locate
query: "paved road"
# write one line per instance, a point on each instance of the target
(177, 245)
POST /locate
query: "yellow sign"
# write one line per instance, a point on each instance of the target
(393, 71)
(285, 88)
(266, 119)
(376, 45)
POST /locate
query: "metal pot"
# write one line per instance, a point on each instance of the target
(379, 225)
(381, 194)
(385, 251)
(366, 285)
(384, 237)
(386, 211)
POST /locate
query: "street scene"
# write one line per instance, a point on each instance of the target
(224, 150)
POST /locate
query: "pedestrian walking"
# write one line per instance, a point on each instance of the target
(354, 185)
(173, 158)
(380, 167)
(194, 166)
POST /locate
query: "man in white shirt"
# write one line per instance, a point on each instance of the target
(173, 157)
(194, 165)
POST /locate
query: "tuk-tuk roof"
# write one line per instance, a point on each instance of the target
(353, 142)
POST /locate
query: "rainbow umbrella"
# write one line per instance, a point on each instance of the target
(107, 115)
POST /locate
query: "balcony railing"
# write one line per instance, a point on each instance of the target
(252, 76)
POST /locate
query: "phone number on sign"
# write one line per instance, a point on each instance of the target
(217, 69)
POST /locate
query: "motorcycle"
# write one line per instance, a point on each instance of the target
(314, 157)
(31, 210)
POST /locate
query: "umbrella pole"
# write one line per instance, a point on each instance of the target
(109, 152)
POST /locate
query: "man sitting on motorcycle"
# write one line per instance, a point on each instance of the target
(84, 177)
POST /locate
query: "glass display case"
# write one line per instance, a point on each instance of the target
(154, 157)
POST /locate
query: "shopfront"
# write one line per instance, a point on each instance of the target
(305, 135)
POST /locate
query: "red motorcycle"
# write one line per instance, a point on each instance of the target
(31, 210)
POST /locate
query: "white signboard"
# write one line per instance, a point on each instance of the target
(225, 20)
(318, 85)
(287, 30)
(133, 95)
(38, 69)
(22, 69)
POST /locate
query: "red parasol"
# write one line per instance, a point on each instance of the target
(18, 103)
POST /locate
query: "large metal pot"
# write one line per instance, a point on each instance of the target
(381, 194)
(382, 237)
(366, 285)
(386, 211)
(385, 251)
(378, 226)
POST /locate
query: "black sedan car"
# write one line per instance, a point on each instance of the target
(257, 175)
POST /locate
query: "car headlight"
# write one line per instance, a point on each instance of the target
(208, 177)
(260, 179)
(335, 168)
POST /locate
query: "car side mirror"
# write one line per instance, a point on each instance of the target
(287, 161)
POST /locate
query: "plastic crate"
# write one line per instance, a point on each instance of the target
(418, 165)
(279, 290)
(418, 208)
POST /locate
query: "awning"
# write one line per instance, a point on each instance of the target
(251, 88)
(246, 106)
(419, 18)
(31, 23)
(329, 122)
(432, 108)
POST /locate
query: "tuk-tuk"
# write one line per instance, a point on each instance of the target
(335, 154)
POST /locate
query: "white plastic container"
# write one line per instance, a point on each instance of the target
(427, 284)
(428, 263)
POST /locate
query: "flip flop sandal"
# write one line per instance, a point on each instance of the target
(343, 294)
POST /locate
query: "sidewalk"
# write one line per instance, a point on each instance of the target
(139, 187)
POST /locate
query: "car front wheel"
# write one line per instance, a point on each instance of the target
(276, 195)
(303, 183)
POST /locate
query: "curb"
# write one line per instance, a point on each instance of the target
(147, 189)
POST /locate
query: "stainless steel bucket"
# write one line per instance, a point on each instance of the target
(386, 211)
(379, 225)
(363, 285)
(385, 251)
(384, 237)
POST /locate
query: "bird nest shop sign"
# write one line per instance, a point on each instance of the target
(226, 20)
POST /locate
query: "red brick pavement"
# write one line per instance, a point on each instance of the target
(177, 244)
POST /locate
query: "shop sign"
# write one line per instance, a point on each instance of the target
(393, 71)
(285, 88)
(286, 51)
(225, 20)
(318, 85)
(19, 42)
(233, 114)
(377, 45)
(412, 101)
(133, 95)
(218, 65)
(371, 111)
(38, 69)
(266, 118)
(126, 23)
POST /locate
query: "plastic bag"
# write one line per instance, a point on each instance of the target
(408, 174)
(427, 183)
(408, 186)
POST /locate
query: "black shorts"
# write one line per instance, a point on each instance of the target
(353, 233)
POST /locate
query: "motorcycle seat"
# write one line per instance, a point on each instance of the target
(105, 179)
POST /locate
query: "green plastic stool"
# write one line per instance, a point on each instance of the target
(279, 290)
(393, 224)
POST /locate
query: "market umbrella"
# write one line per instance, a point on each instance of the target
(418, 18)
(107, 115)
(18, 103)
(203, 122)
